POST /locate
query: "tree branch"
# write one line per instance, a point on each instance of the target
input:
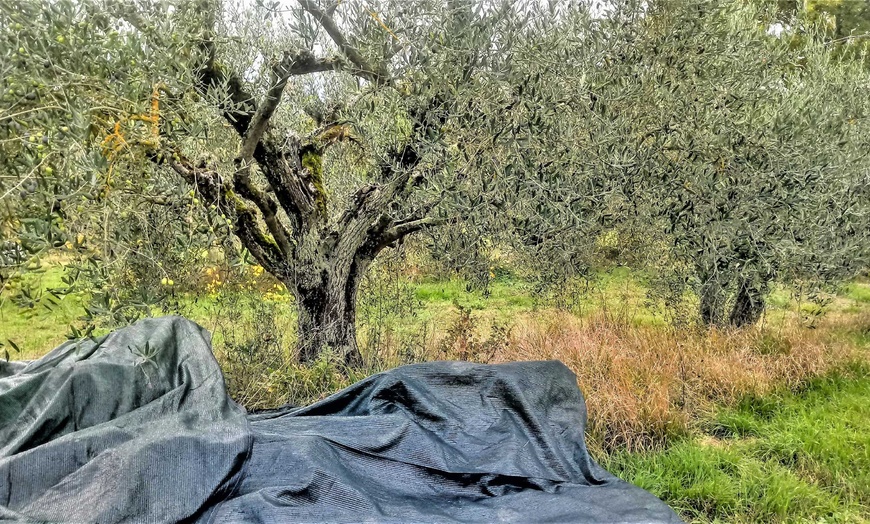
(215, 191)
(327, 22)
(292, 65)
(370, 200)
(250, 140)
(267, 206)
(300, 198)
(260, 120)
(241, 106)
(294, 174)
(304, 63)
(404, 228)
(388, 233)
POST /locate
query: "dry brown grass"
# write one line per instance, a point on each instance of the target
(644, 384)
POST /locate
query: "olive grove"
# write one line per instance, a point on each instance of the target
(317, 134)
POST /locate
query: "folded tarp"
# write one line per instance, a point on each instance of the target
(137, 427)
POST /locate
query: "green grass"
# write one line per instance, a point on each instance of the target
(618, 291)
(780, 297)
(504, 298)
(788, 457)
(39, 329)
(503, 294)
(857, 291)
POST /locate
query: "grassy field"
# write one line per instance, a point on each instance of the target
(769, 424)
(35, 331)
(787, 457)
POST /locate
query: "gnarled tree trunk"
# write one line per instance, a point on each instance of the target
(748, 304)
(326, 307)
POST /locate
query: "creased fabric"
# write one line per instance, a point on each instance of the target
(137, 427)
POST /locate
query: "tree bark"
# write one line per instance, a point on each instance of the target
(748, 304)
(326, 307)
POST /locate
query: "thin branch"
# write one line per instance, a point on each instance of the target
(260, 120)
(31, 110)
(26, 177)
(402, 229)
(849, 37)
(327, 22)
(154, 201)
(405, 228)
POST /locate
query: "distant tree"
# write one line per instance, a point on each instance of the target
(752, 154)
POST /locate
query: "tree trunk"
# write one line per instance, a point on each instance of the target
(748, 304)
(712, 303)
(326, 305)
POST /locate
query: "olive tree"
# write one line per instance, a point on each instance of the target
(319, 133)
(752, 151)
(732, 156)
